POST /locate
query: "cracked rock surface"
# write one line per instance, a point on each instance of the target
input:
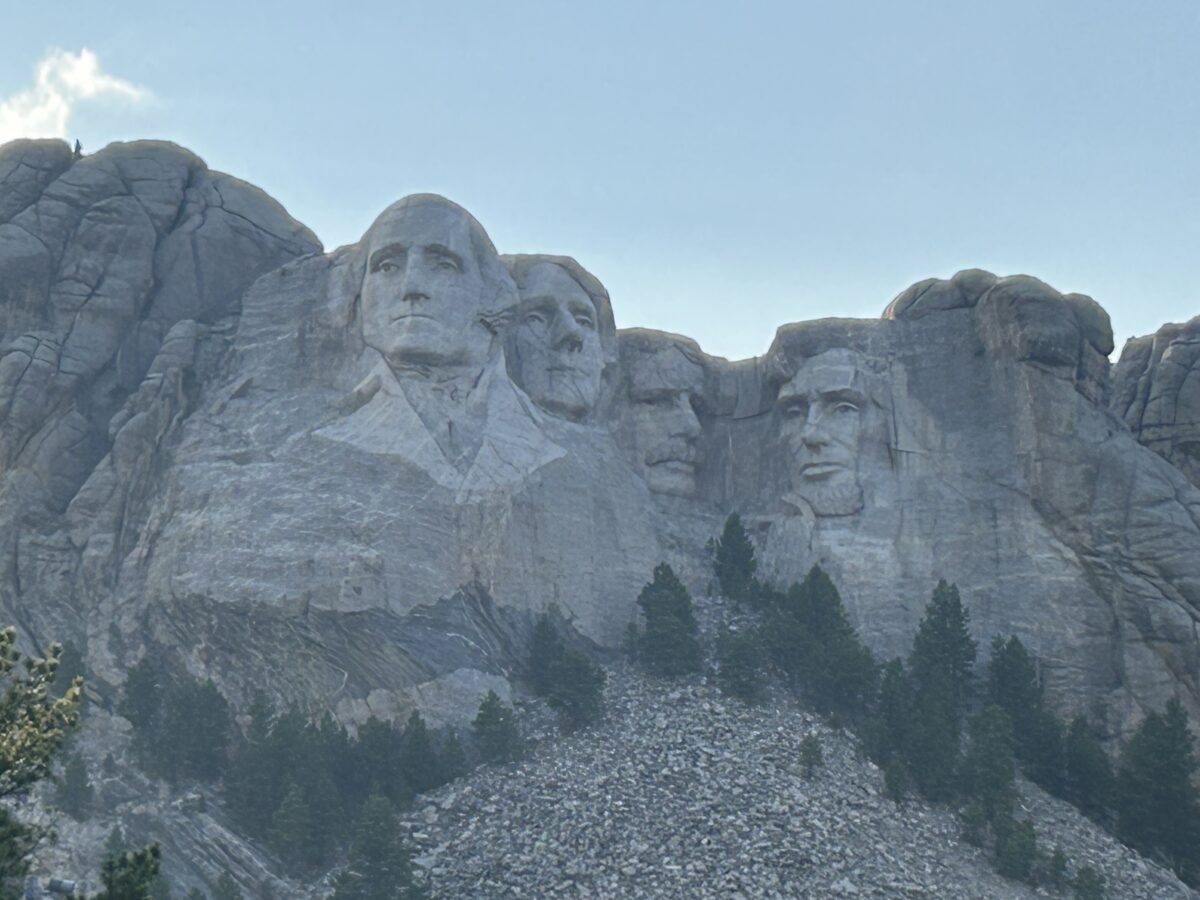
(686, 793)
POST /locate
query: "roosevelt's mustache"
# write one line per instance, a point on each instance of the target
(673, 451)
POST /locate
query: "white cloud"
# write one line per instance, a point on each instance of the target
(61, 79)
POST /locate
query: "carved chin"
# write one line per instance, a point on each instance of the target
(842, 497)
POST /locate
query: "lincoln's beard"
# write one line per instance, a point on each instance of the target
(836, 497)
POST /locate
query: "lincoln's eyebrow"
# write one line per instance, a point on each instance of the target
(385, 253)
(844, 394)
(441, 250)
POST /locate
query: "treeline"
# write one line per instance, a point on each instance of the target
(936, 728)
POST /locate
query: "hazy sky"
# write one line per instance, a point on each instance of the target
(722, 168)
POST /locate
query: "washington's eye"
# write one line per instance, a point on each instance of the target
(584, 321)
(448, 264)
(386, 266)
(845, 407)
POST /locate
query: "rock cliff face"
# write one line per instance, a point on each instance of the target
(356, 477)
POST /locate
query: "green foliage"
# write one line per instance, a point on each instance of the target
(733, 561)
(417, 758)
(896, 780)
(226, 888)
(376, 755)
(1013, 685)
(544, 650)
(940, 664)
(1158, 803)
(181, 726)
(295, 833)
(74, 795)
(974, 822)
(70, 667)
(578, 693)
(130, 876)
(379, 865)
(34, 722)
(452, 759)
(811, 755)
(742, 661)
(667, 645)
(1056, 869)
(1016, 848)
(1089, 781)
(495, 730)
(988, 769)
(812, 640)
(886, 732)
(1089, 884)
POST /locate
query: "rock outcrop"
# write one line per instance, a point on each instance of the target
(354, 478)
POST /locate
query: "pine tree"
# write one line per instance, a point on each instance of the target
(578, 692)
(1016, 848)
(1089, 884)
(742, 671)
(293, 834)
(253, 785)
(811, 757)
(885, 734)
(379, 865)
(668, 646)
(377, 758)
(75, 796)
(452, 759)
(988, 768)
(1089, 782)
(226, 888)
(1158, 803)
(1013, 685)
(130, 876)
(734, 562)
(495, 730)
(940, 664)
(141, 703)
(545, 649)
(813, 641)
(417, 759)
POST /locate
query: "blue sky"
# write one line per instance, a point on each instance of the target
(722, 168)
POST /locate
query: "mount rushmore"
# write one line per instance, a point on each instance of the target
(355, 477)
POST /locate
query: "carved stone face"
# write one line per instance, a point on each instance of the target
(553, 346)
(423, 291)
(823, 412)
(663, 430)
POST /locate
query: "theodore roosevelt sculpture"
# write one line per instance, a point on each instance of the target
(657, 425)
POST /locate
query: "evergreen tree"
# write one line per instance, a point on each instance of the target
(1013, 685)
(452, 759)
(940, 664)
(545, 650)
(293, 835)
(417, 759)
(813, 641)
(811, 757)
(34, 722)
(943, 654)
(379, 865)
(377, 754)
(578, 692)
(734, 562)
(75, 796)
(1089, 884)
(1016, 848)
(988, 769)
(885, 734)
(668, 646)
(495, 730)
(130, 876)
(226, 888)
(896, 780)
(195, 727)
(742, 671)
(115, 845)
(70, 667)
(1089, 783)
(1158, 803)
(141, 703)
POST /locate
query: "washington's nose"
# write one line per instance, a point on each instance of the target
(414, 296)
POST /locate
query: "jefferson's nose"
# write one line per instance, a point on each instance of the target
(568, 334)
